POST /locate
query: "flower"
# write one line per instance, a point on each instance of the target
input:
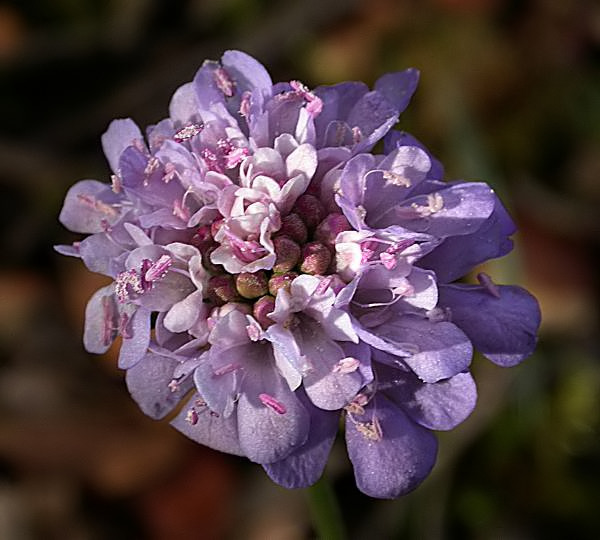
(271, 274)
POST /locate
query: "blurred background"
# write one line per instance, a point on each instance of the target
(509, 94)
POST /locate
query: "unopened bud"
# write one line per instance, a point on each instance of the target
(316, 258)
(287, 254)
(330, 227)
(221, 289)
(252, 285)
(310, 209)
(293, 227)
(262, 307)
(281, 281)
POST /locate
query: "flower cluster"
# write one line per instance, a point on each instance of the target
(271, 274)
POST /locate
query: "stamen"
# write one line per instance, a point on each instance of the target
(152, 165)
(272, 403)
(397, 247)
(234, 157)
(180, 211)
(139, 144)
(356, 406)
(299, 87)
(346, 365)
(124, 329)
(389, 261)
(224, 82)
(192, 416)
(486, 281)
(254, 331)
(314, 104)
(94, 203)
(245, 104)
(116, 183)
(108, 313)
(435, 203)
(224, 370)
(437, 314)
(370, 430)
(396, 179)
(211, 160)
(356, 135)
(170, 172)
(245, 250)
(367, 250)
(158, 269)
(188, 132)
(125, 281)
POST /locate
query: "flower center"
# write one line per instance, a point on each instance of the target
(304, 243)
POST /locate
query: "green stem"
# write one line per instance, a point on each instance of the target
(325, 511)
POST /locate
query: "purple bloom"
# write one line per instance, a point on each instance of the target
(274, 274)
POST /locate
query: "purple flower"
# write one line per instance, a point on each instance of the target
(274, 274)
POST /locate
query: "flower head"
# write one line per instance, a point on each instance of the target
(274, 274)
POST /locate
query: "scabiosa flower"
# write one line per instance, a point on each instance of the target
(271, 274)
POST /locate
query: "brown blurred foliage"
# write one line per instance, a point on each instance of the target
(510, 93)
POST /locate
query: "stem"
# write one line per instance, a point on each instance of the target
(325, 511)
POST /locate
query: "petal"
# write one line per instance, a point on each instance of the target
(165, 292)
(395, 139)
(119, 135)
(138, 235)
(136, 340)
(89, 207)
(183, 314)
(373, 115)
(326, 386)
(269, 162)
(303, 467)
(504, 329)
(69, 250)
(338, 101)
(456, 256)
(409, 165)
(183, 108)
(99, 252)
(268, 434)
(464, 208)
(353, 187)
(218, 376)
(287, 354)
(101, 321)
(148, 382)
(441, 405)
(424, 294)
(393, 460)
(290, 192)
(440, 349)
(208, 428)
(248, 73)
(230, 331)
(362, 352)
(398, 87)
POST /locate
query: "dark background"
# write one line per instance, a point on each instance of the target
(509, 94)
